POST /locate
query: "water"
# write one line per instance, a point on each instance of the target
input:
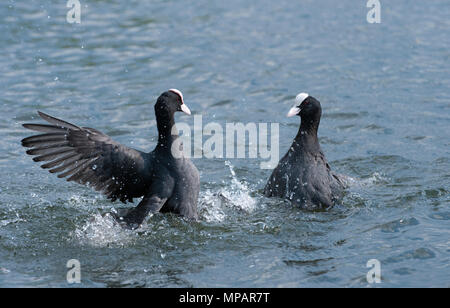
(385, 91)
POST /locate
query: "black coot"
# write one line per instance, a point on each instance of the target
(303, 175)
(167, 181)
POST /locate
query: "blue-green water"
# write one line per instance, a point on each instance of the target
(385, 93)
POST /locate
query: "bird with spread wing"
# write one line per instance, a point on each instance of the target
(167, 182)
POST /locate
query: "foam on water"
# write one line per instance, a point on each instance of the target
(11, 221)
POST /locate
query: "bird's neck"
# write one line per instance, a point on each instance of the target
(167, 131)
(306, 138)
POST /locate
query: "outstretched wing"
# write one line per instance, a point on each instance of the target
(87, 156)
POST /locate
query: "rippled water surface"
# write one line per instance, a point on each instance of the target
(385, 93)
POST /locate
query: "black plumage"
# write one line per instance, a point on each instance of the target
(303, 175)
(85, 155)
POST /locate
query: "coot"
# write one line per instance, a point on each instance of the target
(167, 181)
(303, 175)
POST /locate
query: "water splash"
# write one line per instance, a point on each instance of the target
(210, 207)
(103, 231)
(374, 179)
(235, 195)
(84, 201)
(239, 193)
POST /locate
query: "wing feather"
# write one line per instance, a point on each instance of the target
(88, 156)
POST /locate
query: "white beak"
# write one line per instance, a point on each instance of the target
(294, 111)
(185, 109)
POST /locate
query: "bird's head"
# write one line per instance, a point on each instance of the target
(307, 107)
(170, 102)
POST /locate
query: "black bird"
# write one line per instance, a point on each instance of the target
(303, 175)
(167, 181)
